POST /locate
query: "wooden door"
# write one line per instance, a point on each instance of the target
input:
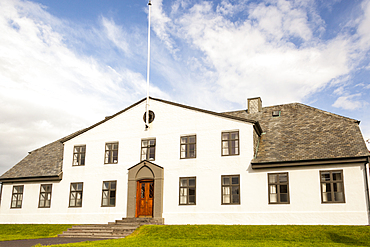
(144, 198)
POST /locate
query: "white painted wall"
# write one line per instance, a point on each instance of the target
(170, 123)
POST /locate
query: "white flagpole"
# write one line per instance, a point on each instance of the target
(147, 72)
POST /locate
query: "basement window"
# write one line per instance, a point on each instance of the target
(276, 113)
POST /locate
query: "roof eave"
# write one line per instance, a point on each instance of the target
(298, 163)
(33, 179)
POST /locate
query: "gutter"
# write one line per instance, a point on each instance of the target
(32, 179)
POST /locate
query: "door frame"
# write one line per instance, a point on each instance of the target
(145, 170)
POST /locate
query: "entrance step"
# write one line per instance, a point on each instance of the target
(117, 229)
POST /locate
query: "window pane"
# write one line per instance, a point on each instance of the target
(337, 176)
(79, 186)
(326, 187)
(191, 139)
(235, 180)
(191, 182)
(273, 189)
(273, 198)
(283, 197)
(47, 203)
(338, 197)
(113, 185)
(106, 185)
(225, 136)
(235, 198)
(184, 139)
(234, 135)
(144, 143)
(325, 176)
(272, 178)
(226, 181)
(184, 182)
(283, 188)
(105, 194)
(283, 178)
(112, 201)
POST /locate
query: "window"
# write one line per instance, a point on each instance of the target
(75, 197)
(45, 196)
(79, 155)
(111, 153)
(230, 189)
(278, 188)
(148, 149)
(187, 147)
(187, 191)
(332, 187)
(109, 194)
(275, 113)
(230, 143)
(17, 196)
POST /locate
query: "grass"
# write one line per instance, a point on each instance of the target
(236, 235)
(30, 231)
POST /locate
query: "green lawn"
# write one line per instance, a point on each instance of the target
(30, 231)
(211, 235)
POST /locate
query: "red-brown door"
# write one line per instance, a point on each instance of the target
(144, 198)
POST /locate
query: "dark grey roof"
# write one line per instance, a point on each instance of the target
(43, 162)
(302, 132)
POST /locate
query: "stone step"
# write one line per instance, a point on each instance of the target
(117, 229)
(112, 227)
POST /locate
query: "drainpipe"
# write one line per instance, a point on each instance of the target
(366, 176)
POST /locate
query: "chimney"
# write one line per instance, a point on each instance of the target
(254, 105)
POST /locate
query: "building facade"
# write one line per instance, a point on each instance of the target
(287, 164)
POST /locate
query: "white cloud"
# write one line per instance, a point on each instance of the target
(115, 34)
(348, 103)
(48, 90)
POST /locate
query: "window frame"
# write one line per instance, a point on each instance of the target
(332, 182)
(77, 160)
(231, 189)
(17, 193)
(278, 183)
(188, 194)
(229, 141)
(46, 193)
(109, 153)
(70, 194)
(187, 144)
(109, 193)
(147, 149)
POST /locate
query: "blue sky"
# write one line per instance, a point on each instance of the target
(65, 65)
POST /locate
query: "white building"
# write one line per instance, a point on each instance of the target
(285, 164)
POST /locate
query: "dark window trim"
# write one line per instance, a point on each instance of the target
(109, 193)
(331, 186)
(148, 147)
(46, 193)
(230, 185)
(16, 202)
(188, 186)
(111, 160)
(70, 193)
(187, 153)
(278, 187)
(79, 155)
(229, 140)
